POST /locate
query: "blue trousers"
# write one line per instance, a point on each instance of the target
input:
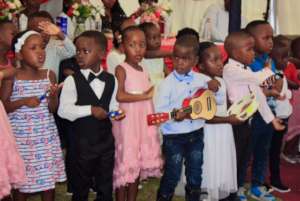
(176, 148)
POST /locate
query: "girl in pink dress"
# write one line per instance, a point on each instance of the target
(12, 169)
(137, 146)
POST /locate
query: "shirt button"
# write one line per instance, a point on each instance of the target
(190, 91)
(187, 83)
(191, 121)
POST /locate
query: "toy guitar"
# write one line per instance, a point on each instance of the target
(245, 107)
(46, 94)
(202, 105)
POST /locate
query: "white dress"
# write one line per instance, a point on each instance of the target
(219, 177)
(219, 174)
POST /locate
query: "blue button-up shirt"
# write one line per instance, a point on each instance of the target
(171, 93)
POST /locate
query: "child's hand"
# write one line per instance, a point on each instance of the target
(180, 115)
(1, 77)
(233, 120)
(149, 93)
(50, 29)
(53, 91)
(277, 124)
(32, 102)
(99, 113)
(213, 85)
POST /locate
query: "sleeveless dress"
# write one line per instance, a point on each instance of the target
(12, 169)
(219, 155)
(37, 138)
(137, 146)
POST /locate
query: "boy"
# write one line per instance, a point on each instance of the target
(85, 100)
(56, 50)
(280, 55)
(240, 80)
(182, 137)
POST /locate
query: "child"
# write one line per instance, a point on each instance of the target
(31, 7)
(219, 155)
(31, 119)
(138, 153)
(240, 80)
(182, 137)
(56, 49)
(154, 66)
(8, 31)
(86, 98)
(12, 169)
(116, 56)
(280, 56)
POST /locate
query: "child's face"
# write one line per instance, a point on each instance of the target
(8, 32)
(212, 62)
(245, 52)
(153, 38)
(33, 24)
(88, 54)
(263, 39)
(184, 59)
(281, 57)
(33, 52)
(135, 46)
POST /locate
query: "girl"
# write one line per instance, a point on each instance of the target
(31, 119)
(12, 169)
(155, 66)
(137, 152)
(219, 167)
(116, 56)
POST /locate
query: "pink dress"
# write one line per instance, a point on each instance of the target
(137, 146)
(12, 169)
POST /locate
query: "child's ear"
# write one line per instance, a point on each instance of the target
(102, 54)
(196, 60)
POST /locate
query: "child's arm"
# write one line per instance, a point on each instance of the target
(11, 106)
(123, 96)
(232, 119)
(158, 54)
(68, 49)
(53, 95)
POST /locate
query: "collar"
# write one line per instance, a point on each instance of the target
(86, 72)
(236, 63)
(187, 77)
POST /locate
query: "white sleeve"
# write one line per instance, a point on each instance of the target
(66, 50)
(114, 104)
(67, 108)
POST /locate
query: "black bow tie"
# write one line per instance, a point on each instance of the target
(92, 77)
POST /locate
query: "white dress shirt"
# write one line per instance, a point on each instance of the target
(67, 108)
(56, 51)
(240, 80)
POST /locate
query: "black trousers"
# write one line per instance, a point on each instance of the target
(274, 156)
(99, 168)
(242, 137)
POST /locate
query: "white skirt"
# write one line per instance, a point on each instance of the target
(219, 174)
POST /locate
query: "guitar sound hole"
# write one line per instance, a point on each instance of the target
(197, 108)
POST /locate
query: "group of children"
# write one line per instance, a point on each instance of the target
(116, 153)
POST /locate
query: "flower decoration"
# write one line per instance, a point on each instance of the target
(10, 8)
(156, 13)
(86, 9)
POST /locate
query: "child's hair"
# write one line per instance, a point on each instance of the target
(295, 46)
(4, 22)
(252, 26)
(97, 36)
(127, 30)
(42, 14)
(143, 1)
(233, 40)
(188, 42)
(146, 26)
(187, 31)
(203, 46)
(116, 27)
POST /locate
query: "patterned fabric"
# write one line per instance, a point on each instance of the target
(37, 138)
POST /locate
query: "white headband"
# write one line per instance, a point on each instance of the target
(22, 39)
